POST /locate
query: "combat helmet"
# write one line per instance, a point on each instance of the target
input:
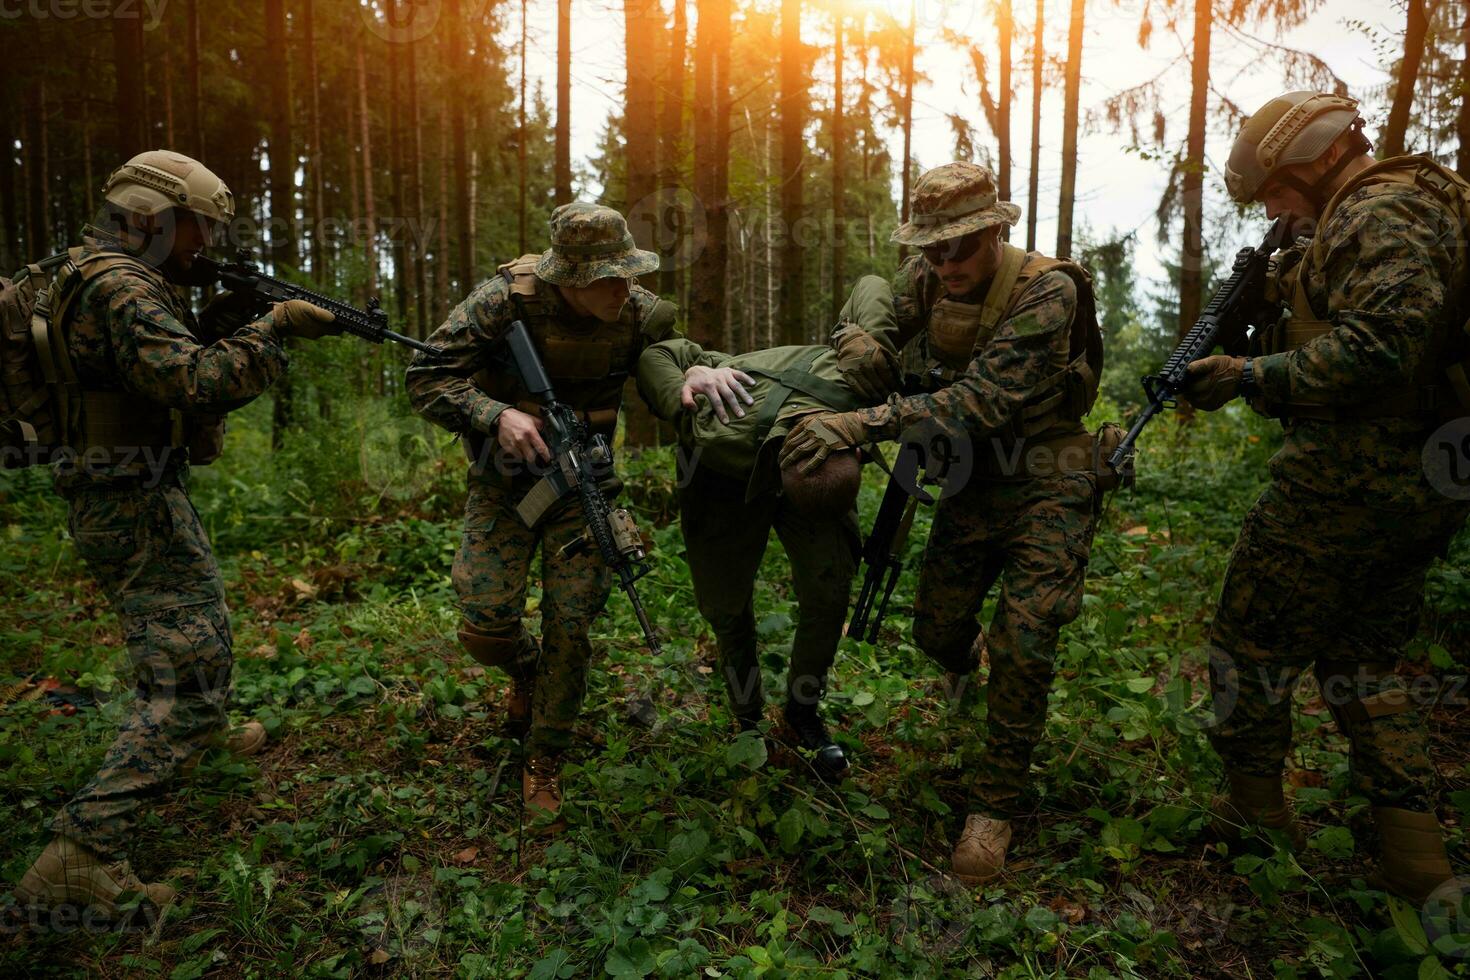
(1291, 129)
(153, 182)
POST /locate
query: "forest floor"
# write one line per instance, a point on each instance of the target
(379, 835)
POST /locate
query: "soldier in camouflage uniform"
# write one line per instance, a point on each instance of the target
(590, 322)
(1328, 572)
(732, 495)
(154, 384)
(1008, 346)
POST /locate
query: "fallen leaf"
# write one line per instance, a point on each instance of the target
(379, 957)
(467, 855)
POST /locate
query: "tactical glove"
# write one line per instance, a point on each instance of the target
(869, 368)
(298, 318)
(227, 312)
(818, 436)
(1213, 381)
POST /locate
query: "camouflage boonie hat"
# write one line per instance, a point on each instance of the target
(591, 242)
(951, 201)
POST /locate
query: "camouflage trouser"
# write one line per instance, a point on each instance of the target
(725, 538)
(490, 574)
(1339, 588)
(148, 551)
(1035, 536)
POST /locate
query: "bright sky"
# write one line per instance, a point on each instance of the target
(1116, 189)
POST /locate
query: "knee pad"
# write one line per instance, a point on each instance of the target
(489, 649)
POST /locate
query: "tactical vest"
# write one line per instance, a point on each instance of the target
(957, 333)
(587, 366)
(1436, 391)
(111, 429)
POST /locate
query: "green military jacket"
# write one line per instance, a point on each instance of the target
(790, 382)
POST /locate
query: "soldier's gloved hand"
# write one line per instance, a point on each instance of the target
(298, 318)
(818, 436)
(869, 368)
(722, 386)
(1213, 381)
(520, 434)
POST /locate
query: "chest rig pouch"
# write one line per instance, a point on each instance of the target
(1435, 392)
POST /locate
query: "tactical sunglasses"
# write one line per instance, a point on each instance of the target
(953, 249)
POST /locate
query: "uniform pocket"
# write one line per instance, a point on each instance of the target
(107, 527)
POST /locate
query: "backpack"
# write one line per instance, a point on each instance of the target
(39, 395)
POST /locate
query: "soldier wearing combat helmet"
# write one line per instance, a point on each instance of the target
(590, 323)
(1008, 352)
(154, 383)
(1328, 571)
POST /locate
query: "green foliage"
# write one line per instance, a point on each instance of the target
(380, 830)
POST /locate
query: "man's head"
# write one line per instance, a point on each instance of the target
(593, 259)
(830, 489)
(167, 207)
(956, 223)
(1295, 152)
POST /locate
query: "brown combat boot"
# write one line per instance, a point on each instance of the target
(1412, 861)
(1254, 801)
(541, 792)
(70, 873)
(244, 741)
(981, 853)
(518, 705)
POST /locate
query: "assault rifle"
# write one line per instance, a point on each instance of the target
(247, 279)
(578, 462)
(884, 547)
(1239, 302)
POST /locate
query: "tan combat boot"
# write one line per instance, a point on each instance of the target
(244, 741)
(70, 873)
(1412, 862)
(541, 792)
(981, 853)
(1254, 801)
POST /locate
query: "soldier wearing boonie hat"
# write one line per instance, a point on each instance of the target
(590, 322)
(1000, 348)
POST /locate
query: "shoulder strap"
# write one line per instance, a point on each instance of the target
(998, 299)
(799, 377)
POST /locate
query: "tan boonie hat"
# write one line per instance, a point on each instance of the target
(591, 242)
(951, 201)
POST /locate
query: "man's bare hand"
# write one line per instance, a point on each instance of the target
(724, 387)
(520, 434)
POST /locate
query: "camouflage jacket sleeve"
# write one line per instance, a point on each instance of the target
(1029, 346)
(893, 312)
(442, 389)
(158, 356)
(661, 370)
(1386, 285)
